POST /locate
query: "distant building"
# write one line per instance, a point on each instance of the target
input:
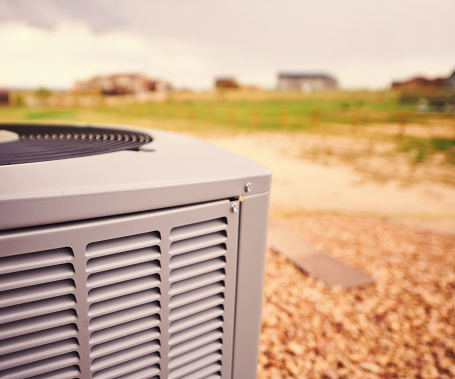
(450, 81)
(226, 83)
(306, 82)
(4, 97)
(421, 82)
(121, 84)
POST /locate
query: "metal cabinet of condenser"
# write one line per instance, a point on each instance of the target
(128, 253)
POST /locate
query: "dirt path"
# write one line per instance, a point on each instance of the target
(300, 185)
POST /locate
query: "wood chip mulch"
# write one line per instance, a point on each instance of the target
(402, 326)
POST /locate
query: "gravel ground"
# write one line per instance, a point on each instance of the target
(403, 326)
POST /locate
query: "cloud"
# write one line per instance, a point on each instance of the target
(71, 52)
(56, 58)
(98, 15)
(190, 42)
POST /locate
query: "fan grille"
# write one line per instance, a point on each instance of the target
(38, 143)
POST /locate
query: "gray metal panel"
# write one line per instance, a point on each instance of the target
(135, 296)
(171, 171)
(250, 277)
(67, 290)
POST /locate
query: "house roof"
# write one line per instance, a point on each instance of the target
(225, 78)
(297, 75)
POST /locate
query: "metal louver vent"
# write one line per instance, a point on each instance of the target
(143, 295)
(197, 291)
(38, 143)
(38, 315)
(142, 257)
(123, 296)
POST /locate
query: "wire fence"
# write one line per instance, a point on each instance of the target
(291, 117)
(309, 114)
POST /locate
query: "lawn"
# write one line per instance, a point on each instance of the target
(419, 132)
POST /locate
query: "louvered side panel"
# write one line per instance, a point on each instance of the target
(124, 306)
(38, 318)
(199, 275)
(148, 295)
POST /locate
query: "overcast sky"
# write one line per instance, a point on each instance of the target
(364, 43)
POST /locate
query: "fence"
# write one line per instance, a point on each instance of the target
(352, 114)
(286, 116)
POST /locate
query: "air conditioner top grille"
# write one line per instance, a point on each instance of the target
(38, 143)
(106, 178)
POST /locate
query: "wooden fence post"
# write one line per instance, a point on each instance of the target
(283, 121)
(316, 118)
(192, 114)
(355, 121)
(255, 118)
(171, 109)
(160, 109)
(211, 114)
(152, 109)
(232, 115)
(402, 120)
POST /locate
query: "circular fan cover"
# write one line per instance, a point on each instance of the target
(38, 143)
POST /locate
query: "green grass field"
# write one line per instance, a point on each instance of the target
(327, 113)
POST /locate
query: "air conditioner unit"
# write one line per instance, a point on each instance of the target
(128, 253)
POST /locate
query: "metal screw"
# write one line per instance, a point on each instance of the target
(248, 187)
(235, 207)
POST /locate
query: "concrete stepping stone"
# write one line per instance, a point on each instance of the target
(315, 262)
